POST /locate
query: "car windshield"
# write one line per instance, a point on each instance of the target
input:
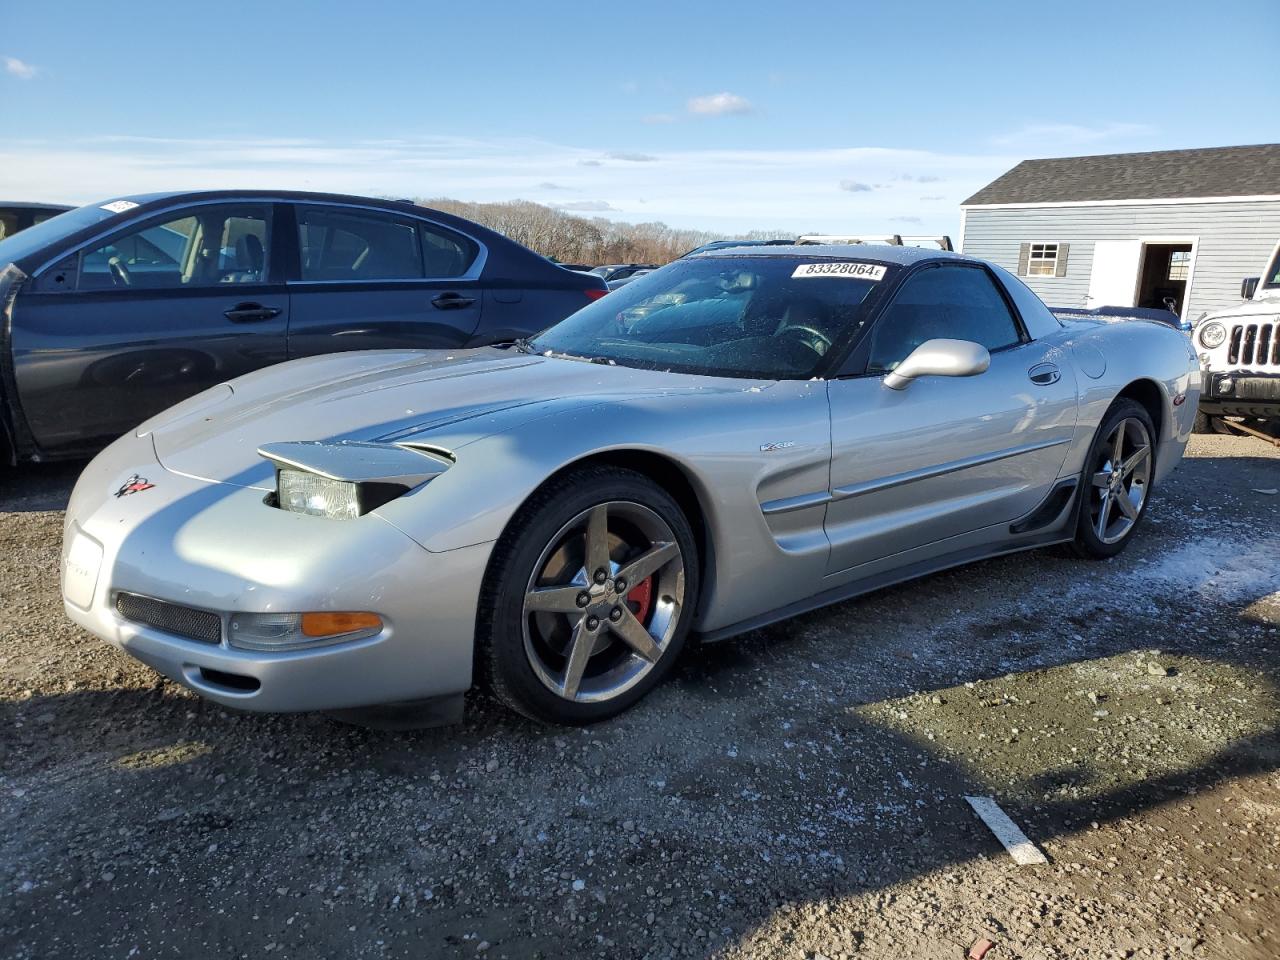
(750, 317)
(35, 238)
(1272, 278)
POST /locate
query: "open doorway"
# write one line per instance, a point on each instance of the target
(1166, 268)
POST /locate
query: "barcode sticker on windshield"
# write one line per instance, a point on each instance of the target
(119, 206)
(850, 270)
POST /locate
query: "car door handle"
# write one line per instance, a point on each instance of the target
(1043, 374)
(452, 301)
(251, 313)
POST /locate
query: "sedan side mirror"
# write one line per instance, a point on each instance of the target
(940, 358)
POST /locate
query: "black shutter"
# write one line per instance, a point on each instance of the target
(1061, 269)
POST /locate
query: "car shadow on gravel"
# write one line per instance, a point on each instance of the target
(800, 764)
(31, 487)
(728, 794)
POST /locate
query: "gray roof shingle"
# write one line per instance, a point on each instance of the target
(1161, 175)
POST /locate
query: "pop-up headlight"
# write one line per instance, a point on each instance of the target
(343, 480)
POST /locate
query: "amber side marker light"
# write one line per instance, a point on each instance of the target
(329, 624)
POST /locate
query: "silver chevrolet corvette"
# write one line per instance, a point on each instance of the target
(738, 437)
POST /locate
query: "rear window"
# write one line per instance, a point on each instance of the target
(34, 239)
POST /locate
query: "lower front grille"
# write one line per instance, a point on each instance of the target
(1255, 345)
(170, 617)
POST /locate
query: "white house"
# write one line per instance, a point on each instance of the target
(1132, 229)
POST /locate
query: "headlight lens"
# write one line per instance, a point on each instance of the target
(296, 631)
(317, 496)
(1212, 335)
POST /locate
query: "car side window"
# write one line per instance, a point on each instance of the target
(339, 244)
(954, 302)
(446, 254)
(204, 247)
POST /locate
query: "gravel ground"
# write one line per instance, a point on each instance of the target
(797, 792)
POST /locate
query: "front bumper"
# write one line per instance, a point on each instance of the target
(216, 547)
(1240, 393)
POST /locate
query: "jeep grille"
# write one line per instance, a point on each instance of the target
(1255, 345)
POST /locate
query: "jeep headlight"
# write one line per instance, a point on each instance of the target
(1212, 335)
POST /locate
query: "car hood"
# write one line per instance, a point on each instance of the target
(1259, 306)
(445, 399)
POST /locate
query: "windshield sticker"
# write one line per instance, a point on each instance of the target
(119, 206)
(850, 270)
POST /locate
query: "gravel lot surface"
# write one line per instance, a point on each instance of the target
(794, 793)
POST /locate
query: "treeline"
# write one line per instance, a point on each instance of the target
(570, 238)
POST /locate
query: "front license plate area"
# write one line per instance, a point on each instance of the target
(80, 565)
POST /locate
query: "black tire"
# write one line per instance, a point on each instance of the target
(509, 654)
(1088, 541)
(1203, 424)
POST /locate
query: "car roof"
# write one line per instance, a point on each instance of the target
(143, 199)
(882, 252)
(30, 205)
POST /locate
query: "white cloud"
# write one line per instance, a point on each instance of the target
(19, 69)
(726, 190)
(1048, 136)
(548, 185)
(593, 206)
(719, 104)
(631, 157)
(853, 186)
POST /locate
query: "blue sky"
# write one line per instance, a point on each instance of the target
(728, 116)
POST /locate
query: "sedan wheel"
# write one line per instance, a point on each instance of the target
(588, 598)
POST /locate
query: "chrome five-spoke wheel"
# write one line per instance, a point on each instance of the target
(604, 601)
(1115, 489)
(1121, 482)
(588, 597)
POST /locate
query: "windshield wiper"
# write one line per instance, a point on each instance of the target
(523, 345)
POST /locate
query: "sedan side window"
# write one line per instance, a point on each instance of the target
(208, 246)
(959, 303)
(447, 254)
(338, 244)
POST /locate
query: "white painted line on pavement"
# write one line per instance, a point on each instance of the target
(1023, 851)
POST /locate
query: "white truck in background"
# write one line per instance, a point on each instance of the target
(1239, 350)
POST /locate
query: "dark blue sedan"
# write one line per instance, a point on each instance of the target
(115, 311)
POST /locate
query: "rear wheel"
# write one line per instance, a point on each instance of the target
(1117, 481)
(588, 598)
(1203, 424)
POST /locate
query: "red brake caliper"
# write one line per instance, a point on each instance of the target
(640, 600)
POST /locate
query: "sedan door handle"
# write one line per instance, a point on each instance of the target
(1044, 374)
(251, 313)
(452, 301)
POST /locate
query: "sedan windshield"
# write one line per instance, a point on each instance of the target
(749, 317)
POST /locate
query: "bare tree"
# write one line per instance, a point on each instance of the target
(568, 238)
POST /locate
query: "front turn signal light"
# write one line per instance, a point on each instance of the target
(299, 631)
(329, 624)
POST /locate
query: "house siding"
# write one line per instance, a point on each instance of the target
(1235, 240)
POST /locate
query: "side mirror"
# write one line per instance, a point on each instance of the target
(940, 358)
(1248, 287)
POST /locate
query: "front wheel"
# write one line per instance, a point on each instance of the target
(1117, 481)
(588, 598)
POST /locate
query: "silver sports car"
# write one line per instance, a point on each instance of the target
(735, 438)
